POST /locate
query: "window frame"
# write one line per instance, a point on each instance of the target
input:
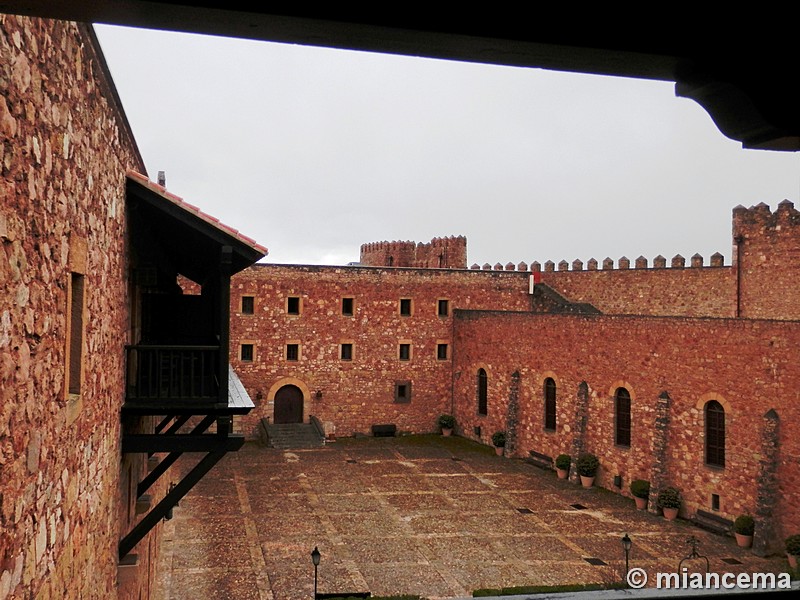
(715, 435)
(405, 307)
(250, 310)
(482, 392)
(397, 388)
(291, 310)
(550, 392)
(252, 351)
(295, 346)
(622, 417)
(352, 308)
(439, 346)
(347, 348)
(404, 351)
(443, 302)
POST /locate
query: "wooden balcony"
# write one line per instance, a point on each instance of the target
(166, 375)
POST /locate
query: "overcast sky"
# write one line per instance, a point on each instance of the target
(313, 152)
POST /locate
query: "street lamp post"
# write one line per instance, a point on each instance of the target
(315, 556)
(626, 545)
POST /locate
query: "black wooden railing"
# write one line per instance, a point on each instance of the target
(160, 372)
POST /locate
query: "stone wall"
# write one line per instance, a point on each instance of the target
(748, 366)
(355, 394)
(439, 253)
(64, 149)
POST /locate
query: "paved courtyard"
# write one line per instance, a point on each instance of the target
(426, 515)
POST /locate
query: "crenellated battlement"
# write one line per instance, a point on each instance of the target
(441, 252)
(759, 219)
(624, 263)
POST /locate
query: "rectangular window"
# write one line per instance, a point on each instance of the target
(443, 308)
(292, 351)
(293, 305)
(441, 351)
(75, 334)
(346, 352)
(405, 352)
(246, 352)
(347, 307)
(402, 392)
(248, 305)
(405, 307)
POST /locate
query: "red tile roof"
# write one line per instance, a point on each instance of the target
(178, 201)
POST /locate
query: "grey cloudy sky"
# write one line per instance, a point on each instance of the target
(314, 151)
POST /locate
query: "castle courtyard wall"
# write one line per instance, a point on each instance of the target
(65, 147)
(749, 366)
(355, 394)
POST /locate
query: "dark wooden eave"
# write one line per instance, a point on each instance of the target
(740, 66)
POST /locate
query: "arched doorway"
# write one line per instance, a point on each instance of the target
(289, 405)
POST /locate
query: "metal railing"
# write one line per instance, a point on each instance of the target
(162, 372)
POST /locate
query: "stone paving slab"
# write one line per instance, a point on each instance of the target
(426, 515)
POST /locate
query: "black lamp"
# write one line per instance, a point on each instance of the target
(626, 545)
(315, 556)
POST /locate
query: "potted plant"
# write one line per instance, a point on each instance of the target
(563, 462)
(447, 424)
(641, 492)
(793, 549)
(743, 528)
(499, 441)
(587, 465)
(669, 499)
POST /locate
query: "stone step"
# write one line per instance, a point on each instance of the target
(294, 435)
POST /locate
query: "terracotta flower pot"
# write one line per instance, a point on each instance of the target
(562, 473)
(743, 541)
(792, 560)
(670, 514)
(587, 482)
(498, 450)
(641, 503)
(446, 431)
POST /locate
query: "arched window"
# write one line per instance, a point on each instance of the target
(550, 404)
(715, 434)
(483, 388)
(622, 421)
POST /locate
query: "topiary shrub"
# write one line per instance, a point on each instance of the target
(499, 439)
(669, 498)
(744, 525)
(563, 461)
(793, 545)
(587, 465)
(447, 421)
(640, 488)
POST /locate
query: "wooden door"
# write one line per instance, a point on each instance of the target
(289, 405)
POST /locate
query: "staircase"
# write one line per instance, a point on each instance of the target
(291, 436)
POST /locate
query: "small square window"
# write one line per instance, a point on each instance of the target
(715, 502)
(405, 307)
(443, 308)
(292, 351)
(293, 305)
(246, 352)
(441, 351)
(346, 351)
(347, 307)
(402, 392)
(248, 305)
(405, 352)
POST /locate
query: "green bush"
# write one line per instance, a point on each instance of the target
(640, 488)
(499, 439)
(744, 525)
(563, 461)
(793, 545)
(587, 465)
(447, 421)
(669, 498)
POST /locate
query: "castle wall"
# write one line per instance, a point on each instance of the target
(767, 260)
(357, 393)
(439, 253)
(64, 150)
(693, 360)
